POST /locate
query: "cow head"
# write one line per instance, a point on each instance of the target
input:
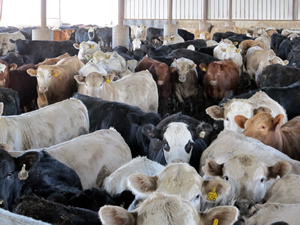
(261, 126)
(85, 48)
(183, 69)
(44, 74)
(167, 209)
(4, 72)
(92, 84)
(91, 33)
(248, 176)
(176, 179)
(67, 33)
(10, 184)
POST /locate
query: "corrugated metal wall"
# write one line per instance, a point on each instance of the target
(217, 9)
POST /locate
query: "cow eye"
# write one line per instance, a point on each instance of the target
(166, 147)
(262, 180)
(226, 178)
(9, 174)
(189, 147)
(198, 196)
(262, 127)
(227, 119)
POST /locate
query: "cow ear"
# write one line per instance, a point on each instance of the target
(115, 215)
(141, 184)
(1, 108)
(5, 147)
(134, 118)
(278, 121)
(217, 185)
(262, 109)
(151, 131)
(215, 112)
(28, 158)
(12, 41)
(13, 66)
(240, 120)
(203, 67)
(76, 45)
(212, 168)
(285, 62)
(193, 66)
(32, 72)
(173, 70)
(109, 77)
(222, 214)
(80, 79)
(281, 169)
(55, 72)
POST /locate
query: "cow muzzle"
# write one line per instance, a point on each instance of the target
(244, 207)
(43, 89)
(2, 205)
(182, 79)
(178, 161)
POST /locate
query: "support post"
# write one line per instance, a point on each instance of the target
(170, 28)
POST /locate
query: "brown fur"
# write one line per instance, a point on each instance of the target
(62, 35)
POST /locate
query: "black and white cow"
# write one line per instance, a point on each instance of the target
(177, 138)
(126, 119)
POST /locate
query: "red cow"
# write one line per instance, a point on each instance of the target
(161, 74)
(62, 35)
(26, 86)
(268, 130)
(220, 77)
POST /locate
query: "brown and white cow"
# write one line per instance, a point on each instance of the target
(56, 82)
(245, 107)
(264, 127)
(220, 77)
(45, 127)
(161, 74)
(185, 82)
(138, 89)
(167, 209)
(179, 179)
(4, 71)
(93, 156)
(62, 35)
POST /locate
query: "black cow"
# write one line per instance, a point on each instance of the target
(199, 43)
(106, 35)
(13, 57)
(154, 33)
(127, 120)
(55, 213)
(284, 49)
(277, 75)
(276, 40)
(47, 178)
(10, 98)
(37, 51)
(218, 36)
(83, 34)
(176, 138)
(187, 36)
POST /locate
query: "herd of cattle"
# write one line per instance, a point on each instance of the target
(195, 128)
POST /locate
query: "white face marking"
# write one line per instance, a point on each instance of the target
(177, 136)
(237, 108)
(43, 79)
(2, 67)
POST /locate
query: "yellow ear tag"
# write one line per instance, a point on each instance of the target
(212, 196)
(238, 50)
(23, 174)
(204, 69)
(55, 74)
(172, 38)
(216, 222)
(202, 134)
(107, 80)
(92, 46)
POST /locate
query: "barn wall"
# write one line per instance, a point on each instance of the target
(217, 9)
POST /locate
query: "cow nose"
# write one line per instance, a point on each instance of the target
(43, 89)
(181, 78)
(177, 161)
(2, 203)
(243, 206)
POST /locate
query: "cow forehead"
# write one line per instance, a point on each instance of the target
(44, 71)
(94, 79)
(239, 108)
(245, 166)
(177, 132)
(179, 178)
